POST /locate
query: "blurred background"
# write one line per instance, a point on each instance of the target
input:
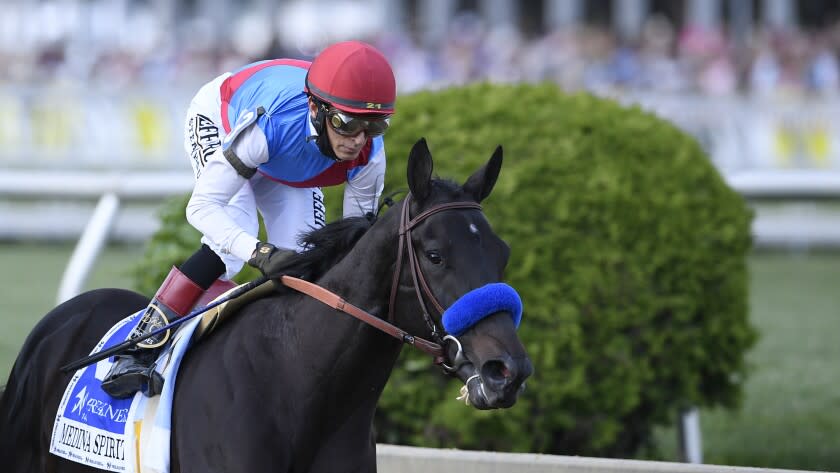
(103, 85)
(93, 95)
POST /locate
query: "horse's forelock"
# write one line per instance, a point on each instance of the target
(443, 191)
(445, 185)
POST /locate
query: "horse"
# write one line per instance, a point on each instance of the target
(290, 384)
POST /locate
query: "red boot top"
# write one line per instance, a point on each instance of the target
(178, 292)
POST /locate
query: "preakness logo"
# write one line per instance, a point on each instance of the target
(85, 406)
(80, 403)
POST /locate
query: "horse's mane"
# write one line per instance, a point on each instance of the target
(326, 246)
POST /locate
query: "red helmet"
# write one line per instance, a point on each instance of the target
(354, 77)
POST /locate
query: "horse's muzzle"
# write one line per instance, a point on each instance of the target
(498, 383)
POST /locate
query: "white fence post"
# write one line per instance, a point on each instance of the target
(691, 438)
(87, 249)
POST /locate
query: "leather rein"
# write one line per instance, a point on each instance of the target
(434, 348)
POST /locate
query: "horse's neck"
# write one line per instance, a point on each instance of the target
(363, 277)
(356, 358)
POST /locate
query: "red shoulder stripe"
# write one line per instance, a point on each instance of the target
(235, 81)
(333, 175)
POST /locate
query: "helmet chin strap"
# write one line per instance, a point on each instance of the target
(322, 139)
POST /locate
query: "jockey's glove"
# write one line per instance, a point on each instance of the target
(269, 259)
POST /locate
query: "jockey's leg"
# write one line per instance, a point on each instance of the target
(134, 369)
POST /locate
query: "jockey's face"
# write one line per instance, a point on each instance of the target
(345, 147)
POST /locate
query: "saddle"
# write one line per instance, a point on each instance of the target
(215, 316)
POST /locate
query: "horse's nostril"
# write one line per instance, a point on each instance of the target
(496, 373)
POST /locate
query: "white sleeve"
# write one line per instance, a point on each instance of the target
(361, 193)
(206, 209)
(216, 185)
(251, 146)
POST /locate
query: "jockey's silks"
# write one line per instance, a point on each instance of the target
(281, 111)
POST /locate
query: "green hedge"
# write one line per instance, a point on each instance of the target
(628, 250)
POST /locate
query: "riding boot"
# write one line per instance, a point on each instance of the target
(134, 369)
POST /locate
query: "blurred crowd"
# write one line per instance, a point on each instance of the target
(662, 58)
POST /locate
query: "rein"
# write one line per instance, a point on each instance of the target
(336, 302)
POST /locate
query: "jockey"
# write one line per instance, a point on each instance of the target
(268, 137)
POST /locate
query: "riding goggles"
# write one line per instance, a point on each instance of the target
(349, 125)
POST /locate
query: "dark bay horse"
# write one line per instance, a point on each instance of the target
(290, 384)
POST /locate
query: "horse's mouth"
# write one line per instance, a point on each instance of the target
(477, 393)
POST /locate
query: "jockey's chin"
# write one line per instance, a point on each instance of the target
(347, 151)
(346, 156)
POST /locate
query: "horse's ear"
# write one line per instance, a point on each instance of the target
(482, 181)
(420, 170)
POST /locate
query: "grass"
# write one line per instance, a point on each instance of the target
(791, 412)
(29, 285)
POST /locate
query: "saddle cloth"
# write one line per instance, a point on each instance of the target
(129, 435)
(121, 435)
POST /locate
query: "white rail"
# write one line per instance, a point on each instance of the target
(786, 184)
(395, 458)
(148, 185)
(90, 244)
(132, 185)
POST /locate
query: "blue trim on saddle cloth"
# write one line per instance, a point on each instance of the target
(95, 429)
(479, 303)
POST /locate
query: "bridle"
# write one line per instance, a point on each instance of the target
(406, 225)
(421, 287)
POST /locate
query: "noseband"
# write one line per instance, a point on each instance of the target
(420, 285)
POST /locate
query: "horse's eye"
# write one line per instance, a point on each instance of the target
(434, 257)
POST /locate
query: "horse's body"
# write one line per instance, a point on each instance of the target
(290, 384)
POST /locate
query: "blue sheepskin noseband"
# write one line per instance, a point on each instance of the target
(479, 303)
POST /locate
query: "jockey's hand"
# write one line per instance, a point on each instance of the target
(269, 259)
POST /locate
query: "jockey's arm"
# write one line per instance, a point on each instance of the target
(218, 183)
(365, 184)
